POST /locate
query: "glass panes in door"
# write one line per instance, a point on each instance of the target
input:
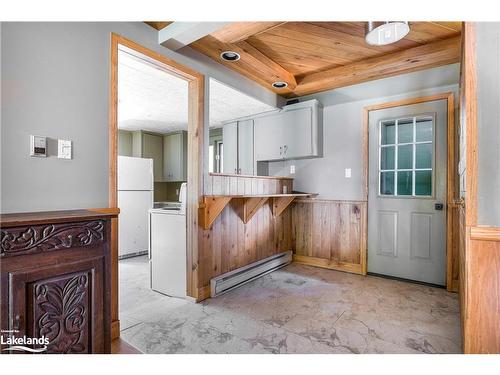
(406, 156)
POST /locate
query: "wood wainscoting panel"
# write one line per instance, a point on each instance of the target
(481, 292)
(330, 234)
(230, 243)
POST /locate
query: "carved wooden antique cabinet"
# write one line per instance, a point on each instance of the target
(56, 280)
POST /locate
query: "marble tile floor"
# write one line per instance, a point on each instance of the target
(298, 309)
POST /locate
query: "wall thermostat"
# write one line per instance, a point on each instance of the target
(38, 146)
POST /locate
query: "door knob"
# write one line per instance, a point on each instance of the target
(438, 206)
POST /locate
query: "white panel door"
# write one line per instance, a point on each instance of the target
(133, 229)
(407, 192)
(135, 173)
(245, 147)
(230, 142)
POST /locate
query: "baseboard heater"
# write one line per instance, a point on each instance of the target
(240, 276)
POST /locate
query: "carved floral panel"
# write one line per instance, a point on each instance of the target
(51, 237)
(61, 312)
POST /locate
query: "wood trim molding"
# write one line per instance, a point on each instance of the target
(451, 161)
(485, 233)
(329, 264)
(250, 176)
(196, 110)
(469, 117)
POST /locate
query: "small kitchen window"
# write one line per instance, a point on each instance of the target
(406, 156)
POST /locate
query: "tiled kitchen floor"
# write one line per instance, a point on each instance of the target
(298, 309)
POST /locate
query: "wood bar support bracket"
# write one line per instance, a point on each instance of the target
(212, 206)
(210, 209)
(279, 204)
(250, 207)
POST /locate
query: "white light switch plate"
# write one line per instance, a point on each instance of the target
(64, 149)
(348, 173)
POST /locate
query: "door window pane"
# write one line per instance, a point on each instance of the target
(423, 183)
(386, 183)
(424, 130)
(405, 183)
(405, 131)
(387, 133)
(405, 157)
(406, 152)
(387, 158)
(424, 155)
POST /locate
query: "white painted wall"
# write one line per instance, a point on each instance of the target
(55, 82)
(343, 126)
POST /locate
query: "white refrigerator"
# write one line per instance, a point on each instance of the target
(135, 198)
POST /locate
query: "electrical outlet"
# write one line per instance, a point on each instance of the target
(292, 169)
(348, 173)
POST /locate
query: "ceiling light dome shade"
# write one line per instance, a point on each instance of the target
(382, 33)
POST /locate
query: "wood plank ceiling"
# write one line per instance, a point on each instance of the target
(318, 56)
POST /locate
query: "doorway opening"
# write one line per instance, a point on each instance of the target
(411, 185)
(156, 117)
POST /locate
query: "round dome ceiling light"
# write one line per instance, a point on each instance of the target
(383, 33)
(280, 85)
(230, 56)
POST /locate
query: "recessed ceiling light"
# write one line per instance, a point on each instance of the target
(230, 56)
(280, 85)
(382, 33)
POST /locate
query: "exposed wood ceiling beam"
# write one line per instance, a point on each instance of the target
(240, 31)
(180, 34)
(422, 57)
(253, 63)
(158, 24)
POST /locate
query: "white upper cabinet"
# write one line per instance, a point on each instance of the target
(149, 145)
(230, 142)
(175, 157)
(293, 133)
(238, 138)
(245, 147)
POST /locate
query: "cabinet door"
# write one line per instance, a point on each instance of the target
(152, 148)
(230, 142)
(245, 147)
(297, 133)
(269, 133)
(175, 157)
(65, 303)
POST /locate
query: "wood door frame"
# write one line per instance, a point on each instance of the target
(196, 110)
(450, 165)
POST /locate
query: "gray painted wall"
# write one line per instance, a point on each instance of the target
(56, 83)
(342, 131)
(488, 107)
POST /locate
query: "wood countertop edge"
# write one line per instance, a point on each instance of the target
(52, 217)
(249, 176)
